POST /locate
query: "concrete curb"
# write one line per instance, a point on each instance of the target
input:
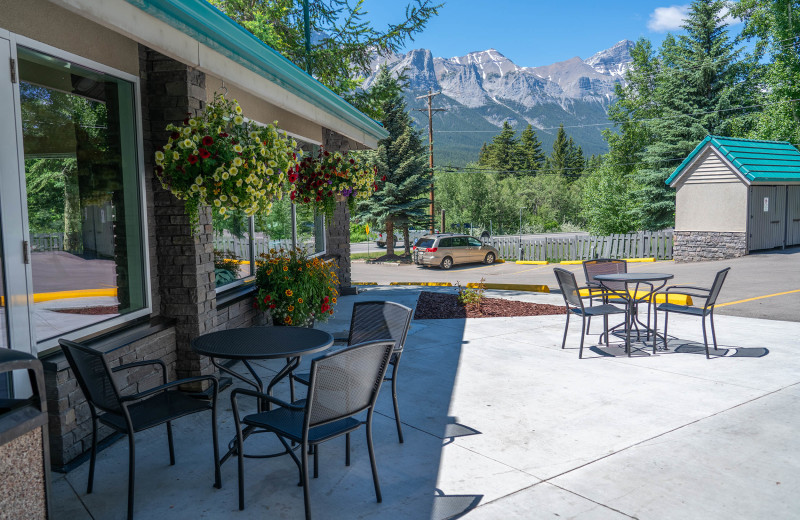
(425, 284)
(532, 262)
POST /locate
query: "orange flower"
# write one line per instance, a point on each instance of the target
(299, 300)
(287, 320)
(299, 269)
(333, 300)
(291, 308)
(289, 293)
(285, 268)
(269, 272)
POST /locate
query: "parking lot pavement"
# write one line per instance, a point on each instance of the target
(765, 285)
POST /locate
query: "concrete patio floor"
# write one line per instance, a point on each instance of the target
(499, 422)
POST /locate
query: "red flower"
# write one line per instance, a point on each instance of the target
(325, 300)
(324, 153)
(159, 170)
(271, 305)
(318, 198)
(352, 161)
(292, 195)
(208, 140)
(204, 154)
(192, 159)
(223, 134)
(292, 178)
(268, 298)
(175, 135)
(383, 178)
(324, 307)
(186, 121)
(306, 200)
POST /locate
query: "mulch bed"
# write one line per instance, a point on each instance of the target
(91, 311)
(444, 306)
(403, 259)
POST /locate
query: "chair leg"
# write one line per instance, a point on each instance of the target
(93, 458)
(589, 324)
(566, 328)
(131, 473)
(666, 323)
(215, 441)
(629, 321)
(240, 465)
(705, 338)
(655, 326)
(304, 473)
(171, 444)
(316, 461)
(394, 401)
(371, 449)
(713, 332)
(583, 335)
(347, 449)
(291, 388)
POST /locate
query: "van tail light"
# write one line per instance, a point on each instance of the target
(431, 249)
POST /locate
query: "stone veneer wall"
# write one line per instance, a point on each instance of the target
(699, 246)
(337, 233)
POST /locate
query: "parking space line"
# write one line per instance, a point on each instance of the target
(757, 298)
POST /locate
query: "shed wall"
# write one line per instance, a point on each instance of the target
(715, 206)
(710, 168)
(47, 23)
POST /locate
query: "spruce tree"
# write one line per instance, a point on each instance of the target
(401, 159)
(529, 151)
(566, 158)
(502, 151)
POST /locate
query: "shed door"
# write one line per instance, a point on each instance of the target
(767, 217)
(792, 215)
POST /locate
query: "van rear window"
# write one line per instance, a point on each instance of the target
(425, 242)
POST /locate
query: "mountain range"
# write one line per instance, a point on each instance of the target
(481, 90)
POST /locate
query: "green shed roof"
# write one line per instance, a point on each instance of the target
(207, 24)
(757, 161)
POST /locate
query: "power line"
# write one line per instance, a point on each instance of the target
(546, 171)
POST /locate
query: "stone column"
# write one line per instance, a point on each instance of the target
(337, 231)
(185, 260)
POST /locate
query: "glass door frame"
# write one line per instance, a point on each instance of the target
(21, 226)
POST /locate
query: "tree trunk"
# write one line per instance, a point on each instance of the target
(389, 237)
(406, 240)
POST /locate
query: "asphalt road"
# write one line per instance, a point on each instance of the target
(770, 281)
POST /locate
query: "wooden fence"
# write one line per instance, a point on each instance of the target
(239, 246)
(646, 244)
(47, 242)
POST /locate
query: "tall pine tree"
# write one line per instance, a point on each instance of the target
(502, 152)
(402, 165)
(529, 151)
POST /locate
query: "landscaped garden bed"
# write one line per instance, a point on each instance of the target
(442, 306)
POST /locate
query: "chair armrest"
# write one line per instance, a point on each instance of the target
(134, 364)
(695, 288)
(266, 397)
(167, 386)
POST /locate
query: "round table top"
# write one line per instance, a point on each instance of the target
(262, 342)
(633, 277)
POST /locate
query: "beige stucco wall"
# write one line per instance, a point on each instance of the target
(711, 207)
(47, 23)
(263, 111)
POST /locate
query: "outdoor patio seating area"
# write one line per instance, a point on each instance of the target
(499, 421)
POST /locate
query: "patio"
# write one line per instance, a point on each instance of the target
(499, 419)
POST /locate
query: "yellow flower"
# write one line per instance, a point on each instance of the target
(193, 122)
(175, 156)
(270, 171)
(286, 268)
(238, 109)
(290, 308)
(234, 199)
(187, 131)
(333, 300)
(199, 180)
(225, 175)
(223, 198)
(217, 203)
(188, 143)
(239, 182)
(238, 148)
(234, 170)
(289, 292)
(238, 119)
(237, 161)
(222, 210)
(299, 300)
(272, 164)
(159, 155)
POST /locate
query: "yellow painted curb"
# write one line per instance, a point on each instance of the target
(63, 295)
(511, 287)
(426, 284)
(639, 259)
(571, 262)
(499, 261)
(678, 299)
(365, 283)
(532, 262)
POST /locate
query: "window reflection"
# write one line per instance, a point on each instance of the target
(83, 194)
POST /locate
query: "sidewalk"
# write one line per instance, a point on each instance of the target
(499, 422)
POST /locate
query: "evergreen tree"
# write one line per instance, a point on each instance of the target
(529, 151)
(503, 149)
(402, 165)
(483, 155)
(699, 74)
(566, 158)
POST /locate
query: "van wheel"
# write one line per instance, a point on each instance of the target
(447, 262)
(489, 258)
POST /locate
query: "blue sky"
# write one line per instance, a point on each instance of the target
(535, 32)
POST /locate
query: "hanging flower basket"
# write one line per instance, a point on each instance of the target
(294, 289)
(323, 180)
(221, 159)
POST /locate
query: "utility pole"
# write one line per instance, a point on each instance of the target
(430, 111)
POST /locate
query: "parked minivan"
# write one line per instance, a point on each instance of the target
(448, 249)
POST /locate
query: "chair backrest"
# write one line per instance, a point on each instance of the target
(592, 268)
(93, 375)
(374, 320)
(346, 382)
(569, 288)
(716, 287)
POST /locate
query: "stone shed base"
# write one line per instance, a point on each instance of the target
(699, 246)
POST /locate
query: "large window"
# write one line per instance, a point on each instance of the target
(238, 238)
(83, 195)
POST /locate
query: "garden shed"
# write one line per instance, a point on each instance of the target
(734, 196)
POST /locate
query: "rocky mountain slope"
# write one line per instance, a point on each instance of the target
(483, 89)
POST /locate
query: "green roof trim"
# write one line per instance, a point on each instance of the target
(210, 26)
(757, 161)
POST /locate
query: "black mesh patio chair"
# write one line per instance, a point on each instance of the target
(572, 298)
(372, 321)
(342, 384)
(133, 413)
(709, 294)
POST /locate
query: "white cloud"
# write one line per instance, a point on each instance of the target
(667, 18)
(664, 19)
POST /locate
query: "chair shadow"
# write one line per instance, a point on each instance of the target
(679, 346)
(453, 430)
(449, 507)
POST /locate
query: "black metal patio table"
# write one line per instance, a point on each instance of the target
(634, 297)
(260, 343)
